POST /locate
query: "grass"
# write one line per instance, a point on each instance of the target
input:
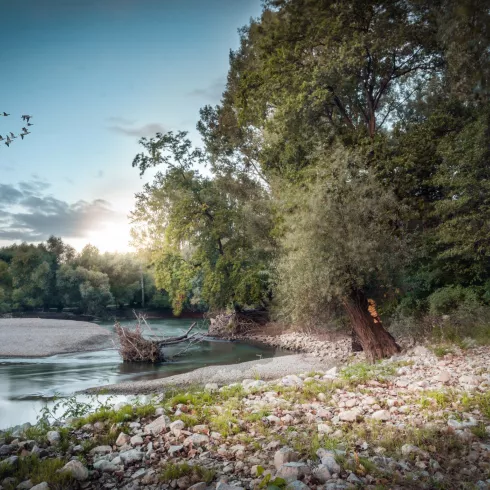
(479, 401)
(173, 471)
(36, 470)
(442, 350)
(439, 399)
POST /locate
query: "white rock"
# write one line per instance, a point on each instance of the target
(211, 387)
(106, 466)
(443, 377)
(75, 469)
(136, 440)
(176, 427)
(284, 455)
(53, 437)
(101, 450)
(322, 473)
(122, 439)
(157, 426)
(293, 471)
(324, 429)
(131, 456)
(41, 486)
(381, 415)
(196, 440)
(349, 415)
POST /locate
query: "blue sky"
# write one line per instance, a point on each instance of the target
(96, 75)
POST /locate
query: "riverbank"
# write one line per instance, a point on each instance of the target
(417, 421)
(36, 337)
(265, 369)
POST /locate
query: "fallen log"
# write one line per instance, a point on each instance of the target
(134, 347)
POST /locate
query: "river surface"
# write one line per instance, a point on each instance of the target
(27, 384)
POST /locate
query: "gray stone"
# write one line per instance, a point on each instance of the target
(199, 486)
(443, 377)
(25, 485)
(349, 415)
(12, 461)
(173, 450)
(131, 456)
(139, 474)
(122, 439)
(352, 478)
(101, 450)
(176, 427)
(41, 486)
(284, 455)
(76, 470)
(158, 425)
(224, 486)
(6, 449)
(322, 473)
(328, 459)
(212, 387)
(297, 485)
(293, 471)
(196, 440)
(105, 466)
(136, 440)
(381, 415)
(53, 437)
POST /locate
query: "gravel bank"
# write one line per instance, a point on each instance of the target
(265, 369)
(36, 337)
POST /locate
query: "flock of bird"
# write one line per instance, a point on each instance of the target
(9, 138)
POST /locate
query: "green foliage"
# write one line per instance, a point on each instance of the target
(207, 236)
(32, 468)
(173, 471)
(449, 298)
(53, 274)
(338, 236)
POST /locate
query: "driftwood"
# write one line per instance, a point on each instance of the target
(236, 323)
(135, 347)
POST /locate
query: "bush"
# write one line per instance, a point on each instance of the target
(450, 298)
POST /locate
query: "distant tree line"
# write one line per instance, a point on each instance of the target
(53, 275)
(348, 169)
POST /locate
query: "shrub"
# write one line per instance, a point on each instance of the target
(450, 298)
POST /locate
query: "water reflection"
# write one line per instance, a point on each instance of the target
(24, 383)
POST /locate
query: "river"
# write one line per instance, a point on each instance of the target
(27, 384)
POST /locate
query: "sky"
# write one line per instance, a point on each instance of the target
(96, 75)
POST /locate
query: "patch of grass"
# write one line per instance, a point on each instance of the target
(173, 471)
(480, 431)
(442, 350)
(479, 401)
(360, 373)
(225, 423)
(31, 467)
(256, 416)
(441, 399)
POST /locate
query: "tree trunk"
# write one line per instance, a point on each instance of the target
(376, 342)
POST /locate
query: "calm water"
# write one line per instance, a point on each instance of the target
(25, 384)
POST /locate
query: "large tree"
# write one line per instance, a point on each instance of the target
(208, 235)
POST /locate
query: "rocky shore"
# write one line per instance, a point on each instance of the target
(415, 421)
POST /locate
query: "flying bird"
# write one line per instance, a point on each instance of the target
(7, 143)
(1, 137)
(5, 114)
(30, 124)
(25, 117)
(24, 129)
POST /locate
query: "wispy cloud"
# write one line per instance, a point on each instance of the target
(146, 131)
(212, 92)
(29, 214)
